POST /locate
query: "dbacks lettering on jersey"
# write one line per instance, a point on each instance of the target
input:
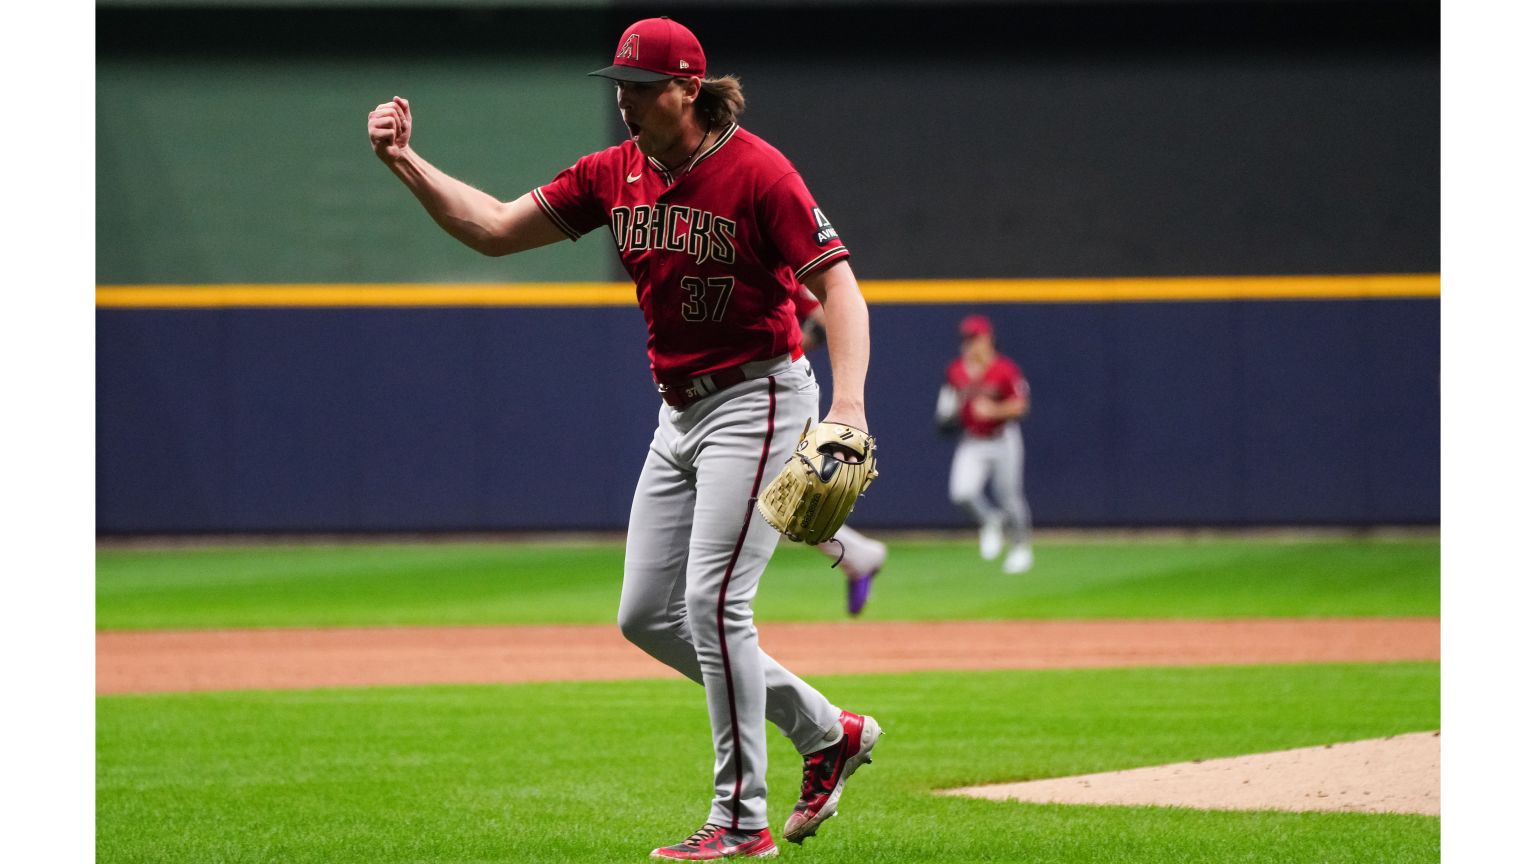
(714, 251)
(674, 228)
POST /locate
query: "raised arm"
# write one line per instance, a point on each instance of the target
(474, 218)
(847, 322)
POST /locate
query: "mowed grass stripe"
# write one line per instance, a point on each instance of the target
(603, 772)
(485, 583)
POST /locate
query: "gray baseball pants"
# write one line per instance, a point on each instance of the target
(695, 552)
(1000, 461)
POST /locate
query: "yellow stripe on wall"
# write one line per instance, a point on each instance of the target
(557, 294)
(1143, 290)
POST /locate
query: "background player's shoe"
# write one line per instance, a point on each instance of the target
(1019, 560)
(858, 591)
(992, 538)
(826, 771)
(713, 841)
(862, 579)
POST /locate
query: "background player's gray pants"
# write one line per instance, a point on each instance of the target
(695, 552)
(1000, 460)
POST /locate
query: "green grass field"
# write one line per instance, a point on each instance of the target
(604, 771)
(451, 584)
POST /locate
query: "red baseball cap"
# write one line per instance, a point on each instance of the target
(655, 49)
(975, 325)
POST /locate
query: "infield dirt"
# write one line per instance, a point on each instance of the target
(164, 661)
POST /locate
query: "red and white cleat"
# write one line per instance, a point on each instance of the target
(826, 771)
(714, 841)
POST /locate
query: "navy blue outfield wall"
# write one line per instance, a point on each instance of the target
(397, 419)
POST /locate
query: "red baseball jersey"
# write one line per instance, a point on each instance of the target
(999, 381)
(715, 250)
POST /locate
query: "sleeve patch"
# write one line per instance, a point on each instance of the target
(825, 233)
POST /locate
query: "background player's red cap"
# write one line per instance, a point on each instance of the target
(655, 49)
(975, 325)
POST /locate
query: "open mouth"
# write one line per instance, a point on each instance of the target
(634, 128)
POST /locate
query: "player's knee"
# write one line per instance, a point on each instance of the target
(702, 604)
(640, 626)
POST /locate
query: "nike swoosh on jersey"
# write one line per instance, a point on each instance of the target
(630, 178)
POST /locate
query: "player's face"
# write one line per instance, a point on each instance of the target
(977, 348)
(653, 113)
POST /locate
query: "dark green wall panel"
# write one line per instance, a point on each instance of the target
(233, 170)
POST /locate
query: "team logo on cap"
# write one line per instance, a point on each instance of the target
(630, 50)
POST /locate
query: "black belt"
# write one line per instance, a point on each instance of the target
(683, 393)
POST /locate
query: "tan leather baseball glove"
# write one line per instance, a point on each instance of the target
(816, 489)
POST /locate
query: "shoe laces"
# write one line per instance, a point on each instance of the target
(815, 766)
(698, 837)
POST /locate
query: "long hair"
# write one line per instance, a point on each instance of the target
(720, 100)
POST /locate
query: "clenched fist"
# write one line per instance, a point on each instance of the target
(389, 129)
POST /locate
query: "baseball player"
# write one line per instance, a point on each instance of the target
(860, 557)
(715, 227)
(984, 395)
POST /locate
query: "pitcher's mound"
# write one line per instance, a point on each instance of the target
(1400, 774)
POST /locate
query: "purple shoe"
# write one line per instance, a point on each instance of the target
(858, 591)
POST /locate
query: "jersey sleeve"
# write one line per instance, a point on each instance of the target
(954, 374)
(798, 229)
(1013, 382)
(570, 200)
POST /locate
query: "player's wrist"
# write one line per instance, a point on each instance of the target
(397, 157)
(846, 406)
(848, 414)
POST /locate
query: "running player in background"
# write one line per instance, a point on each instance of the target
(985, 394)
(718, 230)
(860, 557)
